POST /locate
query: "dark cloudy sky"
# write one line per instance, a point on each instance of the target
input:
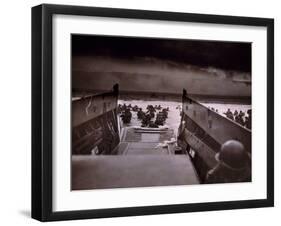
(224, 55)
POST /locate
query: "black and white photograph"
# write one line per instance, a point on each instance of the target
(139, 113)
(143, 112)
(159, 112)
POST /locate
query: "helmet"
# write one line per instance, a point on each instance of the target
(233, 154)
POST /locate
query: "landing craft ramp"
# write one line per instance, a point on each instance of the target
(138, 163)
(135, 161)
(118, 171)
(144, 142)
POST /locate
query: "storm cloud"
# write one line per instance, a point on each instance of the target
(161, 66)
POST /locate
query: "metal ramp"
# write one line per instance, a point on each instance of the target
(138, 163)
(135, 143)
(124, 171)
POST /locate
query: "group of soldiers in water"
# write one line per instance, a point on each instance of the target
(149, 118)
(240, 118)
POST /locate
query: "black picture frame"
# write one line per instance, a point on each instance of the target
(42, 111)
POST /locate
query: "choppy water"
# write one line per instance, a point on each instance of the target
(224, 107)
(173, 119)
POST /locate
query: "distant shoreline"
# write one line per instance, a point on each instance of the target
(153, 96)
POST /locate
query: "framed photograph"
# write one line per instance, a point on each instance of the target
(146, 112)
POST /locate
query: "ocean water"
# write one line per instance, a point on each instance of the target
(173, 119)
(175, 107)
(223, 107)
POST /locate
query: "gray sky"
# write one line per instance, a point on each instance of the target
(160, 66)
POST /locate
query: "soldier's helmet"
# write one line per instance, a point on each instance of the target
(233, 154)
